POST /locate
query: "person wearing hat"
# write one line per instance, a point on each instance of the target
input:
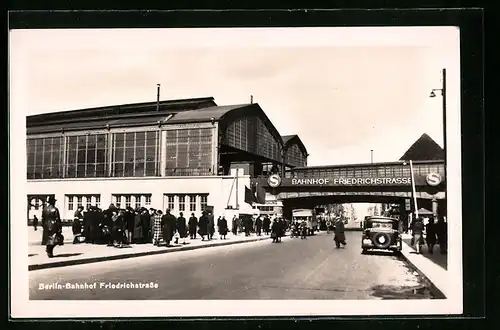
(211, 225)
(203, 225)
(222, 226)
(78, 225)
(52, 226)
(339, 234)
(168, 223)
(192, 224)
(181, 228)
(234, 225)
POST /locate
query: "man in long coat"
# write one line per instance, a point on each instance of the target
(442, 235)
(211, 226)
(430, 237)
(248, 223)
(77, 224)
(222, 226)
(258, 225)
(203, 225)
(52, 226)
(168, 222)
(275, 230)
(142, 230)
(192, 224)
(266, 223)
(339, 237)
(234, 225)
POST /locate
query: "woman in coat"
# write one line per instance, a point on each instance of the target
(339, 230)
(222, 226)
(181, 227)
(157, 228)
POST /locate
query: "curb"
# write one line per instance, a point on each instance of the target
(436, 292)
(65, 263)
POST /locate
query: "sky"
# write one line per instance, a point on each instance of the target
(344, 91)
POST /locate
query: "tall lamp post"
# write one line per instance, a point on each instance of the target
(443, 95)
(371, 162)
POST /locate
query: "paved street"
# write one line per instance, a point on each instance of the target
(293, 269)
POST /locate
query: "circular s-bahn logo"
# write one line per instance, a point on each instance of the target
(274, 180)
(433, 179)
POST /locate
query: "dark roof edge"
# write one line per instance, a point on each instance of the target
(120, 106)
(101, 118)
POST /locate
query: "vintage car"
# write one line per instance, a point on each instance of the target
(381, 233)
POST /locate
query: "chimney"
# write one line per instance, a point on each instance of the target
(251, 99)
(158, 98)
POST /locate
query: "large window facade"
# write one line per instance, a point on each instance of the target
(294, 156)
(86, 156)
(136, 154)
(189, 152)
(250, 134)
(45, 158)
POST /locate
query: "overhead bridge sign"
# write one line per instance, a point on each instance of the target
(352, 181)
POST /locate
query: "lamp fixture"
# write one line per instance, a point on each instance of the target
(433, 92)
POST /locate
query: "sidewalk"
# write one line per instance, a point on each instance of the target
(35, 236)
(430, 266)
(75, 254)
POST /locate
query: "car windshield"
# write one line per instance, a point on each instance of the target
(382, 225)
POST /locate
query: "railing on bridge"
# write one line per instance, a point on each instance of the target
(399, 169)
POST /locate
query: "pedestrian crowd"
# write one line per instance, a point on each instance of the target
(433, 233)
(117, 227)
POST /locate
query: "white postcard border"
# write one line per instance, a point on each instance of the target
(22, 307)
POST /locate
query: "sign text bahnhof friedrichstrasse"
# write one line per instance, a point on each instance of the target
(351, 181)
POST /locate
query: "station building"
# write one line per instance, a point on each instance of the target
(185, 155)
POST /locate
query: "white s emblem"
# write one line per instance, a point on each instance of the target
(433, 179)
(274, 180)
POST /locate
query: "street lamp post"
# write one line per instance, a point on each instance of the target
(371, 162)
(443, 95)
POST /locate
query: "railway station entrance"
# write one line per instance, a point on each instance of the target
(423, 179)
